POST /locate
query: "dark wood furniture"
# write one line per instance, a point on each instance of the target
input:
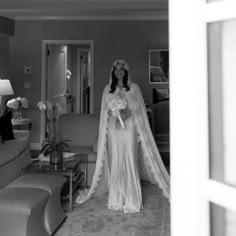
(22, 124)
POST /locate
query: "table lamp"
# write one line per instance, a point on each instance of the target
(5, 89)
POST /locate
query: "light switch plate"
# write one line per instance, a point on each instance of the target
(27, 85)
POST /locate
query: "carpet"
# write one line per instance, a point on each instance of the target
(92, 218)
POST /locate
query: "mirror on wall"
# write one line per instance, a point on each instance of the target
(158, 66)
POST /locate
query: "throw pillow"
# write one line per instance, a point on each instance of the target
(160, 94)
(6, 130)
(95, 144)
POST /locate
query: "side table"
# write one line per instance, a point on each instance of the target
(70, 169)
(23, 123)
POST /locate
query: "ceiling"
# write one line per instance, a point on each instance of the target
(84, 9)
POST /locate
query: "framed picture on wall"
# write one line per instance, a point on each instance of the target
(158, 66)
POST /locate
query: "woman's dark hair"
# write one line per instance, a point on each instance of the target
(114, 81)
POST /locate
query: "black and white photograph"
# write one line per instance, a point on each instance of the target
(158, 66)
(117, 118)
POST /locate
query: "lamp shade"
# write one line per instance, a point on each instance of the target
(5, 87)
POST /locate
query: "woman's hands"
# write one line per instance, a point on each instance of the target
(109, 112)
(125, 114)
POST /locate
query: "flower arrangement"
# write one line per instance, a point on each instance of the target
(116, 105)
(51, 111)
(18, 104)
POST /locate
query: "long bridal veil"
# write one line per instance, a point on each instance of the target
(151, 165)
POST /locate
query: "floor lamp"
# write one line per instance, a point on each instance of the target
(5, 89)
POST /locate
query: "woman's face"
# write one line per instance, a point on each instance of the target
(119, 72)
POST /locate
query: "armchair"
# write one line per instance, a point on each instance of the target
(82, 130)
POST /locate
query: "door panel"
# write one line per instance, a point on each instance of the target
(223, 221)
(57, 75)
(222, 87)
(203, 114)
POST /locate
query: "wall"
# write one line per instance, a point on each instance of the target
(4, 66)
(7, 26)
(129, 40)
(4, 56)
(6, 30)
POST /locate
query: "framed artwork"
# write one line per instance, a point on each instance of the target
(158, 66)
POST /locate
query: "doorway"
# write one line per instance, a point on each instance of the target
(67, 76)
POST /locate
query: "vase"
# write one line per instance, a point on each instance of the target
(51, 132)
(56, 158)
(17, 115)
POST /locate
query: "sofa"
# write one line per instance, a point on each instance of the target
(161, 128)
(82, 131)
(14, 155)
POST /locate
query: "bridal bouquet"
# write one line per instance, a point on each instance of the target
(116, 105)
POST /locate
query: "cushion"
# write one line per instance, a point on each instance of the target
(95, 144)
(21, 200)
(12, 149)
(160, 94)
(6, 130)
(47, 182)
(81, 129)
(92, 156)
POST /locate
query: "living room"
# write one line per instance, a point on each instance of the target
(192, 188)
(129, 39)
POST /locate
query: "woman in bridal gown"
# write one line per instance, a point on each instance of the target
(126, 147)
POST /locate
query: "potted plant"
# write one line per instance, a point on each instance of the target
(52, 147)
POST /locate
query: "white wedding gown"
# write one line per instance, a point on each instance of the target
(124, 186)
(126, 155)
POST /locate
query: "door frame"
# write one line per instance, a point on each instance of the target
(44, 75)
(80, 85)
(192, 189)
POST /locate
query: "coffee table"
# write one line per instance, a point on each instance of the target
(69, 168)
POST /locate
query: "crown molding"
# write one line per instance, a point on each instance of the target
(84, 10)
(124, 17)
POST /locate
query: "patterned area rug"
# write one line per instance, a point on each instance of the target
(92, 218)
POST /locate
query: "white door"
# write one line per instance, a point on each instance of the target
(203, 117)
(56, 82)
